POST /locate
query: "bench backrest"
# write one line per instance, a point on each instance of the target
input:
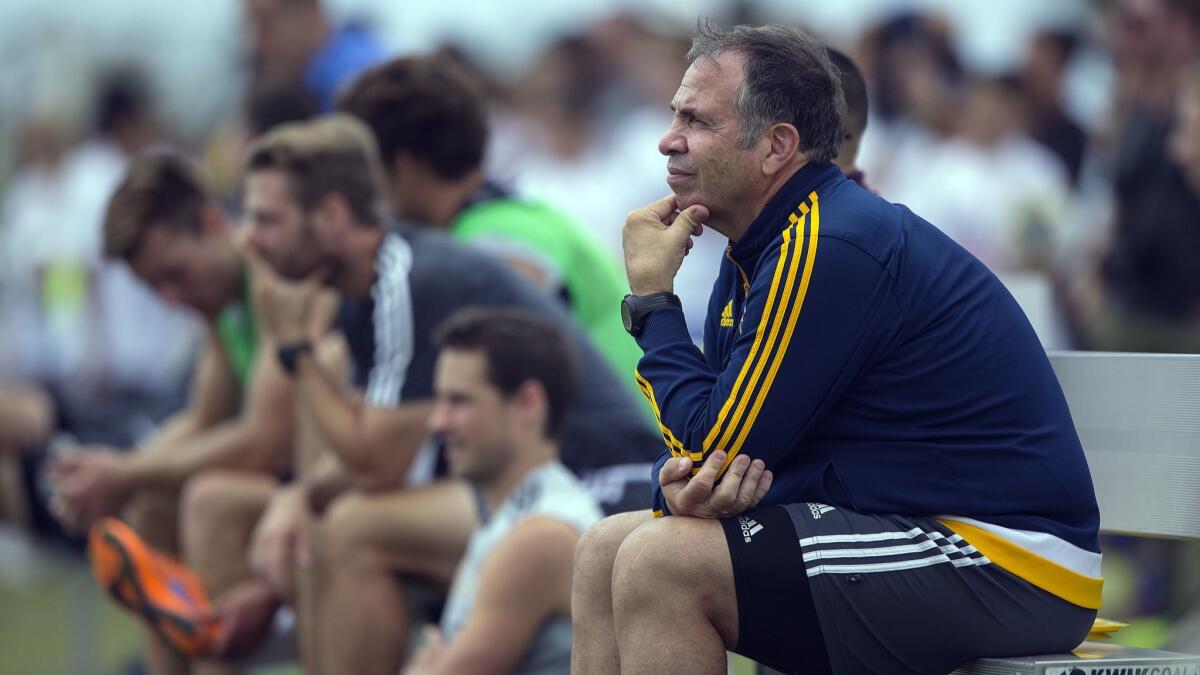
(1138, 416)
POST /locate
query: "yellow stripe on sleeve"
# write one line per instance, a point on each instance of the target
(673, 443)
(793, 316)
(776, 323)
(724, 425)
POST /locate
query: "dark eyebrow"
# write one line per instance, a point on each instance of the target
(686, 111)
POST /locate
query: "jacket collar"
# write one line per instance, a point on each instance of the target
(773, 219)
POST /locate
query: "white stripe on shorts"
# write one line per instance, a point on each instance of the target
(902, 549)
(850, 538)
(895, 566)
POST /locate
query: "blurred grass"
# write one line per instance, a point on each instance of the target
(54, 620)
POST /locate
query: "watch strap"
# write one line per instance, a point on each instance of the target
(289, 354)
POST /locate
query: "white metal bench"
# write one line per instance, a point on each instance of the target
(1138, 416)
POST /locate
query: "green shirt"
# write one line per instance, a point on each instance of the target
(239, 336)
(590, 278)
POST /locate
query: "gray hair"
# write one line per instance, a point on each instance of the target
(789, 79)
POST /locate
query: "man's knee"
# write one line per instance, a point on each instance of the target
(345, 530)
(644, 560)
(597, 548)
(207, 497)
(225, 498)
(677, 558)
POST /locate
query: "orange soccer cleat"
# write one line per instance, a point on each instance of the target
(166, 594)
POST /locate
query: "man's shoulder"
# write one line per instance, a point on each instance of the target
(538, 540)
(448, 274)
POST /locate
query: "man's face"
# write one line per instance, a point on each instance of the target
(279, 230)
(472, 417)
(183, 268)
(706, 163)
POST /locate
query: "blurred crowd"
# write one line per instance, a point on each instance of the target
(1072, 171)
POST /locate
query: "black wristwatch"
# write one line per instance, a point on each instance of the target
(635, 309)
(289, 353)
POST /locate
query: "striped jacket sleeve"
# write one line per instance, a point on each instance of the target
(393, 324)
(807, 327)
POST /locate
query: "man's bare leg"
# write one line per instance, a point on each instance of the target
(154, 515)
(675, 572)
(595, 644)
(14, 502)
(365, 541)
(26, 421)
(220, 510)
(334, 358)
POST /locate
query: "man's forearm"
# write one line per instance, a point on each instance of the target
(375, 445)
(336, 417)
(179, 453)
(177, 429)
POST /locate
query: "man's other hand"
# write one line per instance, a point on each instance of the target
(88, 484)
(284, 307)
(281, 540)
(740, 489)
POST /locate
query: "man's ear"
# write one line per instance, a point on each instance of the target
(212, 220)
(531, 398)
(334, 210)
(783, 146)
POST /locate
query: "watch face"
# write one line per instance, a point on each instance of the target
(626, 315)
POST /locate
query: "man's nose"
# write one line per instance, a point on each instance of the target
(672, 143)
(437, 419)
(171, 294)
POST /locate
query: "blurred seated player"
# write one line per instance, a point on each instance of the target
(854, 88)
(503, 382)
(430, 121)
(176, 240)
(317, 209)
(368, 515)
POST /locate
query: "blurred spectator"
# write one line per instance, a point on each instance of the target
(917, 100)
(1151, 289)
(267, 105)
(1151, 40)
(1048, 57)
(953, 147)
(88, 329)
(296, 40)
(273, 103)
(592, 111)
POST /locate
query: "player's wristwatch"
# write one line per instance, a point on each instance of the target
(635, 309)
(289, 353)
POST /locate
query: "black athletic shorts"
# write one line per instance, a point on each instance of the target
(827, 590)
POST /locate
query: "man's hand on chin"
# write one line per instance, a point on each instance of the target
(656, 238)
